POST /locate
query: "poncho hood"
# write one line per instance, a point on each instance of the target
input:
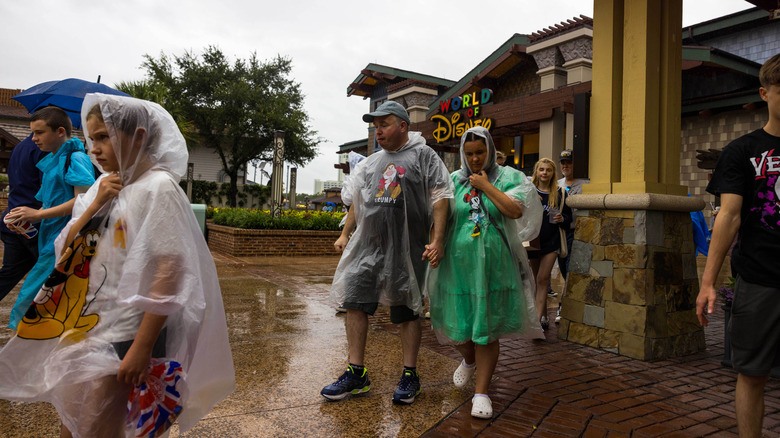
(490, 167)
(143, 134)
(415, 140)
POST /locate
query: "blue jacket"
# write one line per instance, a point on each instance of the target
(57, 187)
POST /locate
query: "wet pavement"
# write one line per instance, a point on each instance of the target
(288, 342)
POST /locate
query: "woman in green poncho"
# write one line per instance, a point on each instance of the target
(482, 289)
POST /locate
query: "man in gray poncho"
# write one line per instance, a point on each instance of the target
(398, 201)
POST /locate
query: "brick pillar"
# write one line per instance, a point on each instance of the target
(633, 282)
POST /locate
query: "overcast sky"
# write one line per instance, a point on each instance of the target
(329, 42)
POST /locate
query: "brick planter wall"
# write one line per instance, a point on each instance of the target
(241, 243)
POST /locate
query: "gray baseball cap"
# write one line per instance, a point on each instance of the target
(386, 109)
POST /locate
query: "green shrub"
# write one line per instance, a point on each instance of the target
(262, 220)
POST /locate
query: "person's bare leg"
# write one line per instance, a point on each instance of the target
(535, 269)
(98, 408)
(467, 351)
(750, 405)
(411, 336)
(542, 281)
(357, 331)
(487, 358)
(534, 263)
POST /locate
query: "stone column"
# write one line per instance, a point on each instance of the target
(633, 282)
(552, 131)
(552, 136)
(578, 54)
(578, 57)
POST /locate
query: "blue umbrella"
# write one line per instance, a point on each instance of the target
(67, 94)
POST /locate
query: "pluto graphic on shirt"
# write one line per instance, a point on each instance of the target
(60, 307)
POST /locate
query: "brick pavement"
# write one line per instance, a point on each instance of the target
(554, 388)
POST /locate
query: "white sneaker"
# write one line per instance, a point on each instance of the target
(462, 375)
(481, 407)
(558, 315)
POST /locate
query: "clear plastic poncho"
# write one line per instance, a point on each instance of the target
(484, 288)
(391, 194)
(142, 252)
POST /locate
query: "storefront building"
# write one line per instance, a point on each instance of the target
(533, 94)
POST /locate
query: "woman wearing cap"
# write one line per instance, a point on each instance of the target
(555, 218)
(479, 292)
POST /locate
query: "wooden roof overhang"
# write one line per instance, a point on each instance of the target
(374, 74)
(714, 80)
(486, 74)
(514, 117)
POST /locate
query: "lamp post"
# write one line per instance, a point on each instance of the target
(278, 174)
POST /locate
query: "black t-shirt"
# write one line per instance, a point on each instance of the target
(549, 236)
(750, 166)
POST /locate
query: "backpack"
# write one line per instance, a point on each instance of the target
(96, 172)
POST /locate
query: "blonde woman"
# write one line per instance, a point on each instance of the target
(545, 178)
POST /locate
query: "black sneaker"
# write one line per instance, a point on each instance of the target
(545, 323)
(348, 383)
(408, 388)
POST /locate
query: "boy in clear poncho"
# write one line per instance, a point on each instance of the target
(396, 196)
(483, 289)
(137, 282)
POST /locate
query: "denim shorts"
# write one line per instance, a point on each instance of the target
(755, 328)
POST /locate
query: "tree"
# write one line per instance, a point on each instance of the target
(306, 196)
(236, 108)
(157, 92)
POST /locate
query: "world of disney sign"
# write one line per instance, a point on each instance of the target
(447, 128)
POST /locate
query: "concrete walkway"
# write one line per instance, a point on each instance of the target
(288, 342)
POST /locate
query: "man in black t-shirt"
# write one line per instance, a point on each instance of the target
(746, 179)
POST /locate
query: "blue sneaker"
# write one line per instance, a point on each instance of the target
(348, 383)
(408, 388)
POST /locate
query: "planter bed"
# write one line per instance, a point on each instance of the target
(239, 242)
